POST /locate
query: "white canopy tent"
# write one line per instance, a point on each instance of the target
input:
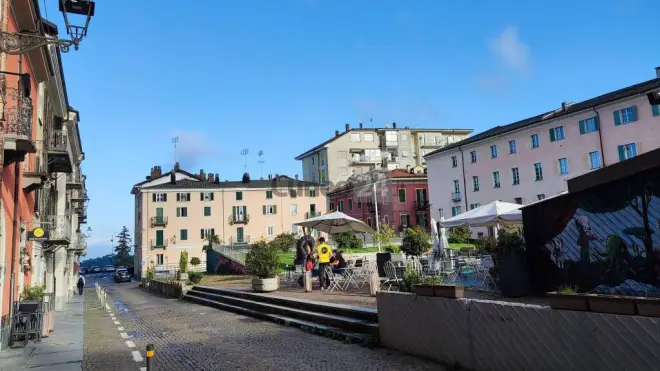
(494, 214)
(336, 222)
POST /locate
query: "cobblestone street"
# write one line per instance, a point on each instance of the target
(192, 337)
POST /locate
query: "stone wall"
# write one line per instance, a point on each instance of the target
(486, 335)
(173, 289)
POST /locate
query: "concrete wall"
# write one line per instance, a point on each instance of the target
(494, 336)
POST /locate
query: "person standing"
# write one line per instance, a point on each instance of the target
(324, 253)
(81, 284)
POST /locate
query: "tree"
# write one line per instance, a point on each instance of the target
(385, 235)
(415, 241)
(183, 262)
(347, 240)
(123, 249)
(284, 242)
(459, 235)
(209, 240)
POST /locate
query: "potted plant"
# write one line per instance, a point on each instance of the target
(31, 299)
(195, 277)
(512, 262)
(567, 298)
(262, 262)
(183, 266)
(649, 307)
(427, 286)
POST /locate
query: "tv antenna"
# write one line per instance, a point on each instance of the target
(175, 140)
(244, 153)
(261, 164)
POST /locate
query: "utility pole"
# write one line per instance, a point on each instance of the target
(261, 164)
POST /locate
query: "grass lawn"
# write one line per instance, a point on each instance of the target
(458, 246)
(210, 279)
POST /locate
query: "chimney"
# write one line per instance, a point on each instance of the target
(563, 106)
(217, 178)
(172, 178)
(176, 166)
(348, 127)
(336, 133)
(155, 172)
(270, 177)
(394, 125)
(296, 177)
(246, 178)
(201, 174)
(360, 125)
(210, 178)
(657, 72)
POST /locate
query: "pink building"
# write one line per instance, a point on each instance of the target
(402, 198)
(531, 159)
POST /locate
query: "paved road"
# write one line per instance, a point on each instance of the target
(188, 336)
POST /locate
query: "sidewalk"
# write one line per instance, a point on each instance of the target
(61, 351)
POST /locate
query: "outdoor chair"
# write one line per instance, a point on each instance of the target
(289, 279)
(483, 275)
(392, 279)
(336, 280)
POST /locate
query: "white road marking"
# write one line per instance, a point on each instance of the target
(113, 318)
(124, 335)
(137, 357)
(117, 323)
(130, 344)
(120, 329)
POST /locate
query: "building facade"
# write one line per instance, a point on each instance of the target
(42, 183)
(177, 210)
(401, 198)
(531, 159)
(358, 151)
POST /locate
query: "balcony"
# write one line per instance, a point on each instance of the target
(239, 241)
(79, 195)
(456, 196)
(158, 245)
(239, 219)
(75, 180)
(158, 221)
(312, 214)
(365, 160)
(19, 116)
(79, 245)
(59, 152)
(422, 204)
(34, 173)
(58, 229)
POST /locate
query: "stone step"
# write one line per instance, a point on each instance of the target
(365, 314)
(305, 325)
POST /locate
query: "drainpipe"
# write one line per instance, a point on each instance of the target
(464, 183)
(222, 198)
(600, 137)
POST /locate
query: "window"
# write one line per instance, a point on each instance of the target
(159, 259)
(312, 160)
(359, 202)
(404, 137)
(455, 210)
(239, 213)
(589, 125)
(332, 206)
(270, 209)
(159, 197)
(341, 155)
(270, 231)
(322, 177)
(312, 192)
(655, 109)
(239, 196)
(625, 116)
(183, 234)
(518, 200)
(206, 196)
(473, 157)
(512, 146)
(404, 153)
(627, 151)
(441, 213)
(293, 193)
(402, 195)
(540, 196)
(457, 186)
(391, 137)
(538, 171)
(350, 204)
(493, 151)
(207, 210)
(269, 195)
(515, 175)
(562, 164)
(474, 206)
(386, 219)
(183, 197)
(355, 137)
(368, 137)
(293, 209)
(535, 141)
(341, 205)
(557, 134)
(454, 161)
(206, 232)
(594, 160)
(182, 212)
(475, 183)
(496, 179)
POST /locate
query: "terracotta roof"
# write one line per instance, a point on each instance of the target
(396, 173)
(283, 181)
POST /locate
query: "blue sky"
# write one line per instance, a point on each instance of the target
(282, 75)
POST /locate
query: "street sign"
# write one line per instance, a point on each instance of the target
(37, 234)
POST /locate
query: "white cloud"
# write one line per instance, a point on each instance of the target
(512, 52)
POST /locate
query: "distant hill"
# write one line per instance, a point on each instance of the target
(100, 261)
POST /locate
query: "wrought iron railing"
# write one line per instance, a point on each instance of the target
(58, 141)
(80, 243)
(58, 227)
(74, 178)
(158, 245)
(311, 214)
(158, 221)
(456, 196)
(230, 253)
(239, 241)
(19, 114)
(422, 204)
(239, 219)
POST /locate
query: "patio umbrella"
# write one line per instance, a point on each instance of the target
(444, 243)
(493, 214)
(336, 222)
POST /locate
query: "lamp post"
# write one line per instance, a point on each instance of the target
(16, 43)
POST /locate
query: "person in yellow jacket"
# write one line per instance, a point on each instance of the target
(324, 253)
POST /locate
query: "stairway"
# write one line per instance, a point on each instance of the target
(345, 322)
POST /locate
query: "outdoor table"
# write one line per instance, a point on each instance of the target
(349, 277)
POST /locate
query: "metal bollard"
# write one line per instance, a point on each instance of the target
(150, 357)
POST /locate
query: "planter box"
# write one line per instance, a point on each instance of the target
(648, 307)
(424, 290)
(449, 291)
(568, 301)
(611, 304)
(265, 285)
(183, 276)
(195, 279)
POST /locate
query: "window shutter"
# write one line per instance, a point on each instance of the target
(201, 196)
(582, 127)
(211, 196)
(178, 211)
(153, 197)
(233, 212)
(274, 209)
(617, 118)
(656, 109)
(622, 153)
(597, 119)
(202, 233)
(178, 196)
(264, 209)
(552, 135)
(634, 113)
(188, 195)
(165, 197)
(212, 232)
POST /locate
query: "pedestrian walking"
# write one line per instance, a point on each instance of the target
(81, 284)
(324, 253)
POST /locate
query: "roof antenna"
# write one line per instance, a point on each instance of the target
(244, 153)
(261, 164)
(175, 140)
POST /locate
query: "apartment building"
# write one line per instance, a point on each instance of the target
(530, 160)
(358, 151)
(177, 210)
(42, 184)
(401, 198)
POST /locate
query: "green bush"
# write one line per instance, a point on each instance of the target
(410, 278)
(262, 260)
(33, 292)
(392, 249)
(510, 239)
(385, 235)
(195, 277)
(150, 273)
(183, 262)
(284, 242)
(195, 261)
(460, 235)
(347, 240)
(415, 241)
(487, 244)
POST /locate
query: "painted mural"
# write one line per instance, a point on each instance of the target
(605, 239)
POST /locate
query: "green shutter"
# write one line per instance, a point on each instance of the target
(634, 113)
(617, 118)
(178, 211)
(583, 128)
(153, 197)
(207, 211)
(184, 234)
(656, 109)
(274, 209)
(159, 238)
(622, 153)
(597, 119)
(552, 135)
(201, 196)
(164, 197)
(233, 212)
(212, 232)
(201, 231)
(264, 209)
(211, 196)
